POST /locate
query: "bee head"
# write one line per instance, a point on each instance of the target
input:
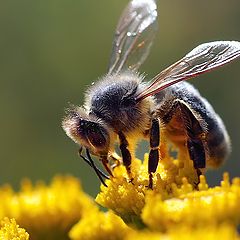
(87, 131)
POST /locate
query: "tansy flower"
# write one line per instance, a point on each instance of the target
(223, 232)
(107, 225)
(9, 230)
(178, 207)
(46, 212)
(212, 206)
(101, 226)
(176, 199)
(128, 199)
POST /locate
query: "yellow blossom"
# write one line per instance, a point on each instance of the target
(128, 199)
(100, 226)
(195, 209)
(177, 198)
(46, 212)
(178, 207)
(223, 232)
(9, 230)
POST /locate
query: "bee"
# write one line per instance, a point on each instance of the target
(122, 108)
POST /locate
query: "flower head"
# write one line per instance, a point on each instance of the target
(101, 226)
(178, 207)
(224, 231)
(176, 200)
(173, 178)
(9, 230)
(46, 211)
(212, 206)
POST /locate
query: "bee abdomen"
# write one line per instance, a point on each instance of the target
(218, 142)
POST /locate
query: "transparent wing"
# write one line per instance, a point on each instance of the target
(201, 59)
(134, 35)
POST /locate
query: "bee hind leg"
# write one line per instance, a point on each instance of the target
(196, 134)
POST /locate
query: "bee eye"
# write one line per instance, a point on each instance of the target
(95, 134)
(97, 138)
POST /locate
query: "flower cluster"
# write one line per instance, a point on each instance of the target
(173, 179)
(46, 212)
(177, 200)
(178, 207)
(9, 230)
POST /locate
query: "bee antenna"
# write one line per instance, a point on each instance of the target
(90, 162)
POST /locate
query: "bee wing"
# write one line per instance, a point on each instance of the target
(201, 59)
(134, 35)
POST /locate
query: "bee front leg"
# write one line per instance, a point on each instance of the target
(154, 154)
(105, 163)
(117, 160)
(126, 155)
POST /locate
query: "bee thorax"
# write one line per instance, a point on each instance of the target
(113, 100)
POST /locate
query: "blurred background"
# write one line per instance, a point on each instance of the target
(51, 50)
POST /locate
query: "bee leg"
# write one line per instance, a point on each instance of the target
(199, 173)
(154, 154)
(104, 161)
(126, 155)
(195, 137)
(117, 160)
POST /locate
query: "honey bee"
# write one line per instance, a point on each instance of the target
(122, 108)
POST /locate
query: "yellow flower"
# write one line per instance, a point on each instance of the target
(178, 208)
(176, 198)
(212, 206)
(11, 231)
(128, 199)
(46, 212)
(223, 232)
(100, 226)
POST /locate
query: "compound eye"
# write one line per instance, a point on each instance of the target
(98, 136)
